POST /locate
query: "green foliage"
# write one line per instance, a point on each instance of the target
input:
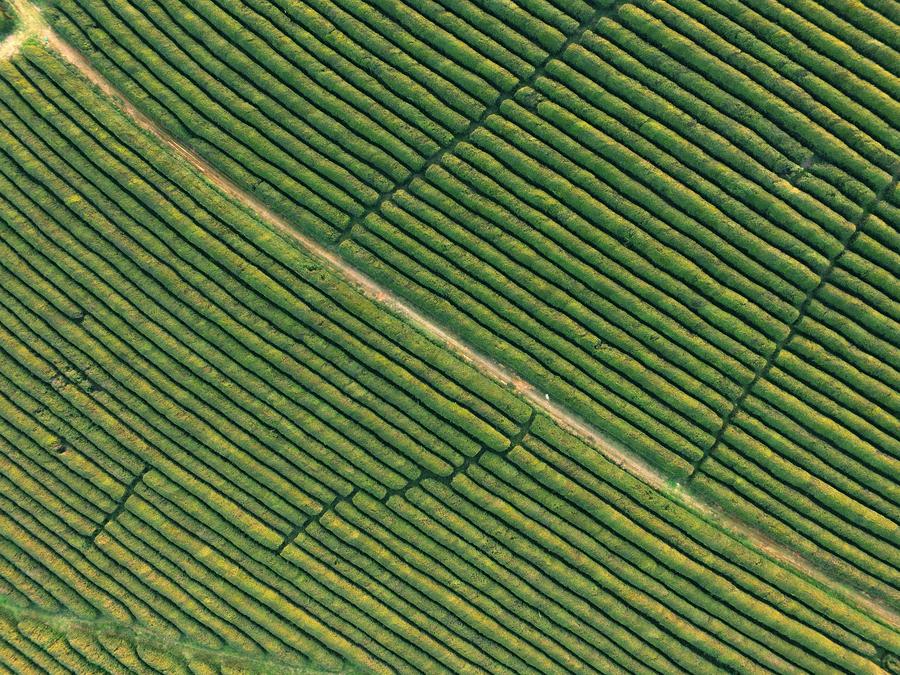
(677, 220)
(8, 19)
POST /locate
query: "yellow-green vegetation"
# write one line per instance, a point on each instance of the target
(678, 219)
(36, 641)
(209, 437)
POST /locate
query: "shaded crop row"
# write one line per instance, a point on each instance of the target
(814, 453)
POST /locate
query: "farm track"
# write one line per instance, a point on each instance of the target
(33, 26)
(30, 23)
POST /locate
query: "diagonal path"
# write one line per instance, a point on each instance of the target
(621, 456)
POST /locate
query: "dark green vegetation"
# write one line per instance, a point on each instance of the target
(7, 19)
(208, 438)
(677, 218)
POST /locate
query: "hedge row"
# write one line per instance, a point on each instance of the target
(414, 235)
(750, 129)
(528, 324)
(830, 79)
(763, 209)
(282, 102)
(324, 293)
(106, 267)
(192, 76)
(46, 566)
(515, 231)
(733, 217)
(636, 264)
(481, 547)
(781, 220)
(743, 74)
(473, 448)
(816, 456)
(123, 411)
(461, 589)
(859, 26)
(470, 552)
(794, 605)
(308, 586)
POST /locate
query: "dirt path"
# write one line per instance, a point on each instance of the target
(368, 286)
(33, 24)
(30, 23)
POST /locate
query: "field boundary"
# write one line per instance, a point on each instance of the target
(33, 26)
(763, 371)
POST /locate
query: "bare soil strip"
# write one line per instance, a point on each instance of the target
(32, 25)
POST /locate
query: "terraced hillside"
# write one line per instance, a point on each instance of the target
(213, 448)
(660, 213)
(675, 223)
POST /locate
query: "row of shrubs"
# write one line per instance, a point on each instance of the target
(466, 574)
(281, 421)
(249, 88)
(134, 46)
(605, 148)
(486, 551)
(36, 641)
(158, 339)
(763, 243)
(814, 456)
(637, 265)
(834, 128)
